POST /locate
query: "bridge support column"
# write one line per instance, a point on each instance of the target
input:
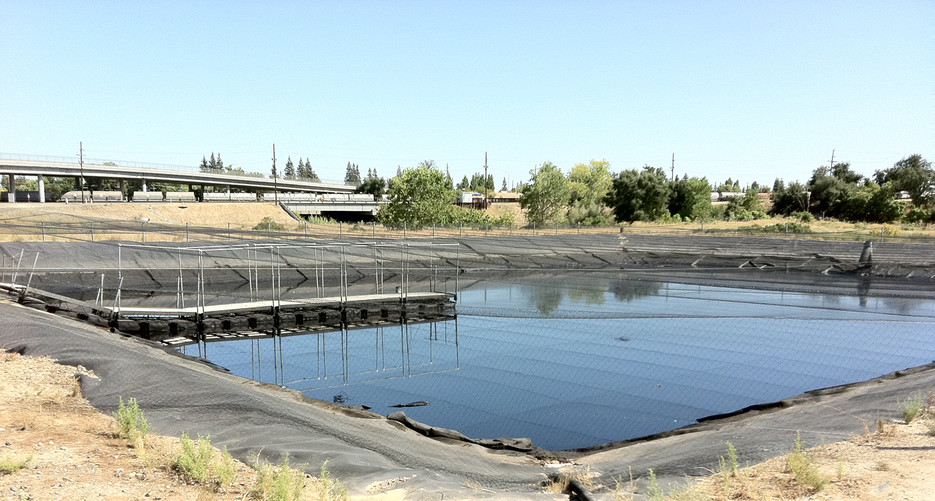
(144, 185)
(41, 189)
(11, 196)
(123, 191)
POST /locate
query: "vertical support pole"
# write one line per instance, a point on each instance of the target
(373, 229)
(29, 280)
(99, 300)
(143, 231)
(42, 189)
(11, 196)
(404, 229)
(18, 263)
(228, 230)
(180, 291)
(460, 229)
(187, 239)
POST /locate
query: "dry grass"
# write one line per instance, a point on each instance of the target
(244, 216)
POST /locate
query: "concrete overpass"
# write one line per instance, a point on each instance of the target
(138, 172)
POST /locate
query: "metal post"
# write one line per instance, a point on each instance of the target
(29, 280)
(187, 239)
(143, 230)
(373, 229)
(460, 229)
(340, 228)
(433, 230)
(228, 230)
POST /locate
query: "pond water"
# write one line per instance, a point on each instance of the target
(572, 368)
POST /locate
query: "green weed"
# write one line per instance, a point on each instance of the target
(802, 467)
(199, 461)
(132, 422)
(278, 482)
(330, 489)
(195, 458)
(655, 491)
(912, 407)
(10, 465)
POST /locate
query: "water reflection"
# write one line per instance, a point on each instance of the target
(548, 298)
(317, 360)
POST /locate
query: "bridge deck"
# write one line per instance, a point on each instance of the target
(264, 305)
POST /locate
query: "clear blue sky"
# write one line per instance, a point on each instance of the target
(751, 90)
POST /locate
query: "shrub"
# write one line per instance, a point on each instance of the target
(802, 216)
(132, 422)
(779, 228)
(267, 223)
(917, 215)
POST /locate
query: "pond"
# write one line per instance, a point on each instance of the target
(577, 367)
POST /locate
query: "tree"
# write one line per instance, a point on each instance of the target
(588, 187)
(289, 171)
(745, 207)
(871, 203)
(778, 184)
(914, 175)
(504, 187)
(204, 165)
(690, 198)
(418, 197)
(306, 172)
(372, 184)
(352, 176)
(639, 195)
(546, 195)
(789, 199)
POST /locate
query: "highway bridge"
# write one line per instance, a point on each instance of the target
(43, 166)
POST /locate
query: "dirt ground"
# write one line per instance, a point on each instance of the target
(72, 451)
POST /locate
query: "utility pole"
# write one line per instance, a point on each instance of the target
(832, 161)
(81, 165)
(673, 167)
(275, 183)
(486, 188)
